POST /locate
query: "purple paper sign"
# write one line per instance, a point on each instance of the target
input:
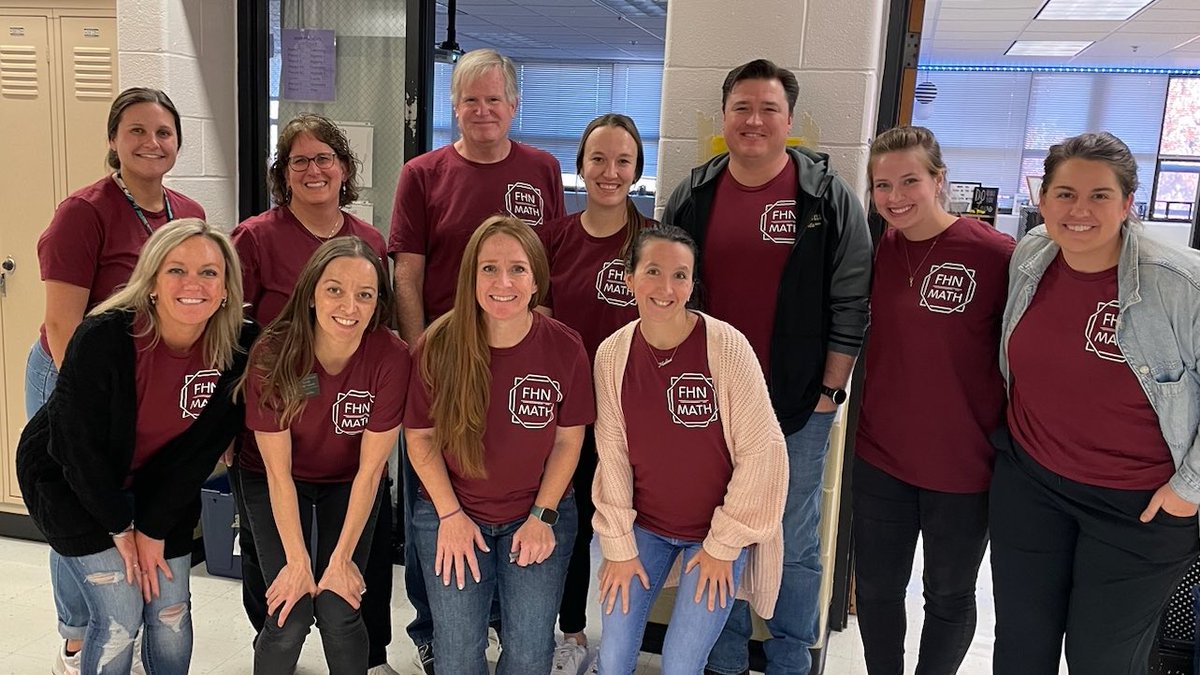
(309, 65)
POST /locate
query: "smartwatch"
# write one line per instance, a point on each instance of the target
(547, 516)
(837, 395)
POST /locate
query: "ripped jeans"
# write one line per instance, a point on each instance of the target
(117, 612)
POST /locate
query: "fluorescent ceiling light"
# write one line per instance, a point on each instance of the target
(1047, 48)
(1090, 10)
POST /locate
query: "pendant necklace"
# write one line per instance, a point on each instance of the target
(663, 362)
(908, 265)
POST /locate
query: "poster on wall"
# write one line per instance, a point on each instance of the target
(309, 64)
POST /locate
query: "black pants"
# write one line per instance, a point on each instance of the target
(376, 609)
(889, 514)
(343, 635)
(572, 611)
(1073, 559)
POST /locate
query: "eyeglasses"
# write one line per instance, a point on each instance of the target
(299, 163)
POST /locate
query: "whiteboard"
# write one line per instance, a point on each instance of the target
(362, 142)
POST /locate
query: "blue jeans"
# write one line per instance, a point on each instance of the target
(420, 629)
(40, 378)
(693, 629)
(167, 619)
(529, 598)
(794, 626)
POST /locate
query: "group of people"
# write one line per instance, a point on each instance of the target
(669, 387)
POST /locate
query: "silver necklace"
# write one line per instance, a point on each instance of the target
(665, 361)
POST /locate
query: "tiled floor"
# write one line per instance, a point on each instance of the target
(222, 634)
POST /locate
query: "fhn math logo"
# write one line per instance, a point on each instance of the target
(948, 288)
(197, 389)
(1102, 332)
(352, 412)
(525, 202)
(778, 222)
(610, 284)
(532, 399)
(692, 400)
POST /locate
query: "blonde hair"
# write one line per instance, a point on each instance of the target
(911, 138)
(474, 64)
(455, 362)
(224, 326)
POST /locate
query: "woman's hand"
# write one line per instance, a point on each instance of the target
(150, 556)
(458, 536)
(615, 577)
(294, 582)
(532, 543)
(344, 578)
(1165, 498)
(127, 548)
(717, 575)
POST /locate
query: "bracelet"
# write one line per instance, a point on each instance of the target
(452, 513)
(123, 533)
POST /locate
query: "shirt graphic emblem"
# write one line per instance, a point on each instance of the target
(525, 202)
(778, 222)
(948, 288)
(610, 284)
(352, 412)
(197, 389)
(692, 400)
(532, 400)
(1101, 333)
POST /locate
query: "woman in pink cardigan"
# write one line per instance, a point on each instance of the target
(691, 462)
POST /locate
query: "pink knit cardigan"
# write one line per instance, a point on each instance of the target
(752, 513)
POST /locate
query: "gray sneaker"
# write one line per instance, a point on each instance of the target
(63, 664)
(570, 658)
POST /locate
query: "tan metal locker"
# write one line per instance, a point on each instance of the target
(58, 76)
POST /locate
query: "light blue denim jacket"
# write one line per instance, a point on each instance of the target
(1158, 331)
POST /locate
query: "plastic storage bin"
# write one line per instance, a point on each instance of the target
(220, 521)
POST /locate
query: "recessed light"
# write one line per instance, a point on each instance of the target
(1047, 48)
(1090, 10)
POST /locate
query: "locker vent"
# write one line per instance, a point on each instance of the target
(19, 71)
(93, 72)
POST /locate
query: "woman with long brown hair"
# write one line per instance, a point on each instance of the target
(325, 393)
(499, 401)
(587, 252)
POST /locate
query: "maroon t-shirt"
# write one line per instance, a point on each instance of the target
(681, 464)
(933, 391)
(750, 236)
(274, 247)
(587, 280)
(172, 391)
(442, 198)
(367, 395)
(1075, 405)
(95, 236)
(540, 384)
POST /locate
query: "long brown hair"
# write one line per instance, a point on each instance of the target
(455, 361)
(634, 220)
(284, 354)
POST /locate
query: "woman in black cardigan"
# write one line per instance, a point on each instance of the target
(111, 467)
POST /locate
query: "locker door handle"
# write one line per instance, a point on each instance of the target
(6, 268)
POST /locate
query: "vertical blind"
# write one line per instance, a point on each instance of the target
(996, 128)
(559, 99)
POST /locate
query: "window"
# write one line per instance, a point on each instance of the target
(1178, 176)
(559, 99)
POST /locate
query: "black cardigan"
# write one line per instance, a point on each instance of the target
(74, 455)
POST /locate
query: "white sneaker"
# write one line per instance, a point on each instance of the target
(570, 658)
(63, 664)
(594, 666)
(382, 669)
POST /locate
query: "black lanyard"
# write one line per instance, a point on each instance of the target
(137, 209)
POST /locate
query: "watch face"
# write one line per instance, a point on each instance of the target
(549, 517)
(839, 396)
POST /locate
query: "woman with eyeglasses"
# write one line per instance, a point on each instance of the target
(313, 176)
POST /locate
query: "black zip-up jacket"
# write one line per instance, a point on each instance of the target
(74, 455)
(822, 299)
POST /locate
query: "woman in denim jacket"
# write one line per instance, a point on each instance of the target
(1093, 506)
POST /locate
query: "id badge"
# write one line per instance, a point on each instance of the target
(310, 386)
